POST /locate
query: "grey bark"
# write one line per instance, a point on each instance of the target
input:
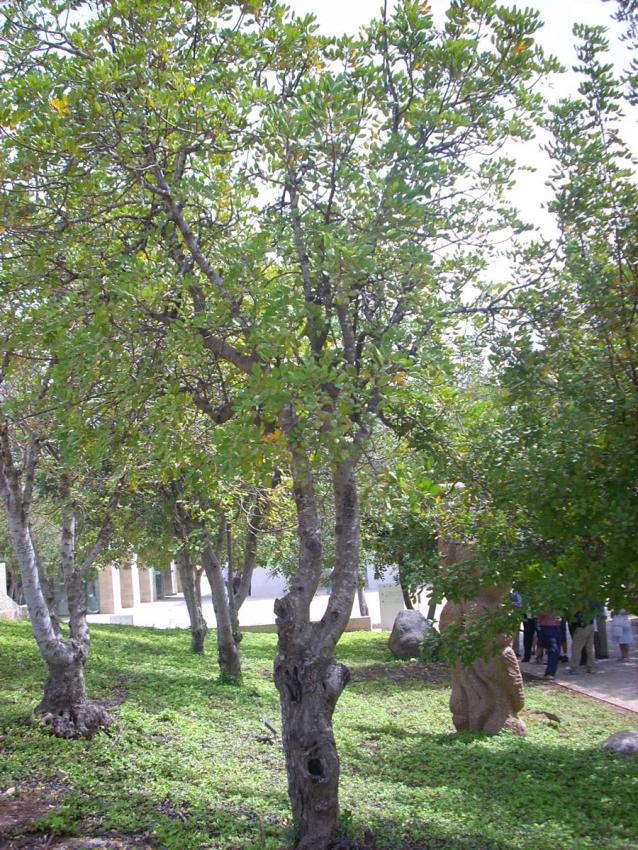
(255, 520)
(190, 576)
(307, 676)
(361, 596)
(227, 648)
(404, 592)
(192, 597)
(225, 602)
(48, 590)
(65, 706)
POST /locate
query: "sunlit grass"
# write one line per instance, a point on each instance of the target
(190, 764)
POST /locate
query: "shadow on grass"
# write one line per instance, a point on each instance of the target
(188, 758)
(503, 785)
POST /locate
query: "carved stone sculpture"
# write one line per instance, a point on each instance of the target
(486, 694)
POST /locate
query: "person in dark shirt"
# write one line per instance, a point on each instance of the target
(549, 628)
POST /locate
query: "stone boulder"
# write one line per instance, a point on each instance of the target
(624, 743)
(408, 632)
(10, 610)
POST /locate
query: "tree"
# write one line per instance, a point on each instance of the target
(550, 454)
(301, 213)
(65, 706)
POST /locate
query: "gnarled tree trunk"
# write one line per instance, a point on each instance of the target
(65, 706)
(307, 676)
(309, 686)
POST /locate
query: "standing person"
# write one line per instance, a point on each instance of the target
(621, 632)
(550, 631)
(582, 638)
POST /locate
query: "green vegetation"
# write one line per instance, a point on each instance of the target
(190, 764)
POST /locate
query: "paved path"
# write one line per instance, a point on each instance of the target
(613, 681)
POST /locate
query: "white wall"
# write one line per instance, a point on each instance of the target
(263, 585)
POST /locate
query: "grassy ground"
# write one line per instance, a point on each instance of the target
(191, 765)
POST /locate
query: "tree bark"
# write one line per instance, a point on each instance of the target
(309, 686)
(307, 676)
(193, 599)
(65, 706)
(47, 590)
(228, 654)
(404, 592)
(361, 596)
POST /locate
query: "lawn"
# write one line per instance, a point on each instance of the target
(190, 764)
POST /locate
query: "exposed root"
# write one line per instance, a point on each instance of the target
(80, 721)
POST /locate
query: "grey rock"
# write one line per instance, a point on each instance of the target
(624, 743)
(9, 610)
(407, 634)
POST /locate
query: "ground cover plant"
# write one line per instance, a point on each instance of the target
(191, 764)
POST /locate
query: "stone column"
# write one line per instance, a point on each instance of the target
(147, 585)
(108, 581)
(178, 581)
(130, 586)
(169, 580)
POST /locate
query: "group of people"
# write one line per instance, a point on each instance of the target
(547, 633)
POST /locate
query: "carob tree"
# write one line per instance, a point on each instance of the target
(304, 212)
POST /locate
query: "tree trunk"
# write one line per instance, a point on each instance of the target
(193, 599)
(227, 648)
(404, 592)
(308, 678)
(65, 706)
(47, 589)
(309, 686)
(361, 596)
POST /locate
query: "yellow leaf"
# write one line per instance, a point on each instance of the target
(273, 436)
(61, 105)
(400, 378)
(520, 47)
